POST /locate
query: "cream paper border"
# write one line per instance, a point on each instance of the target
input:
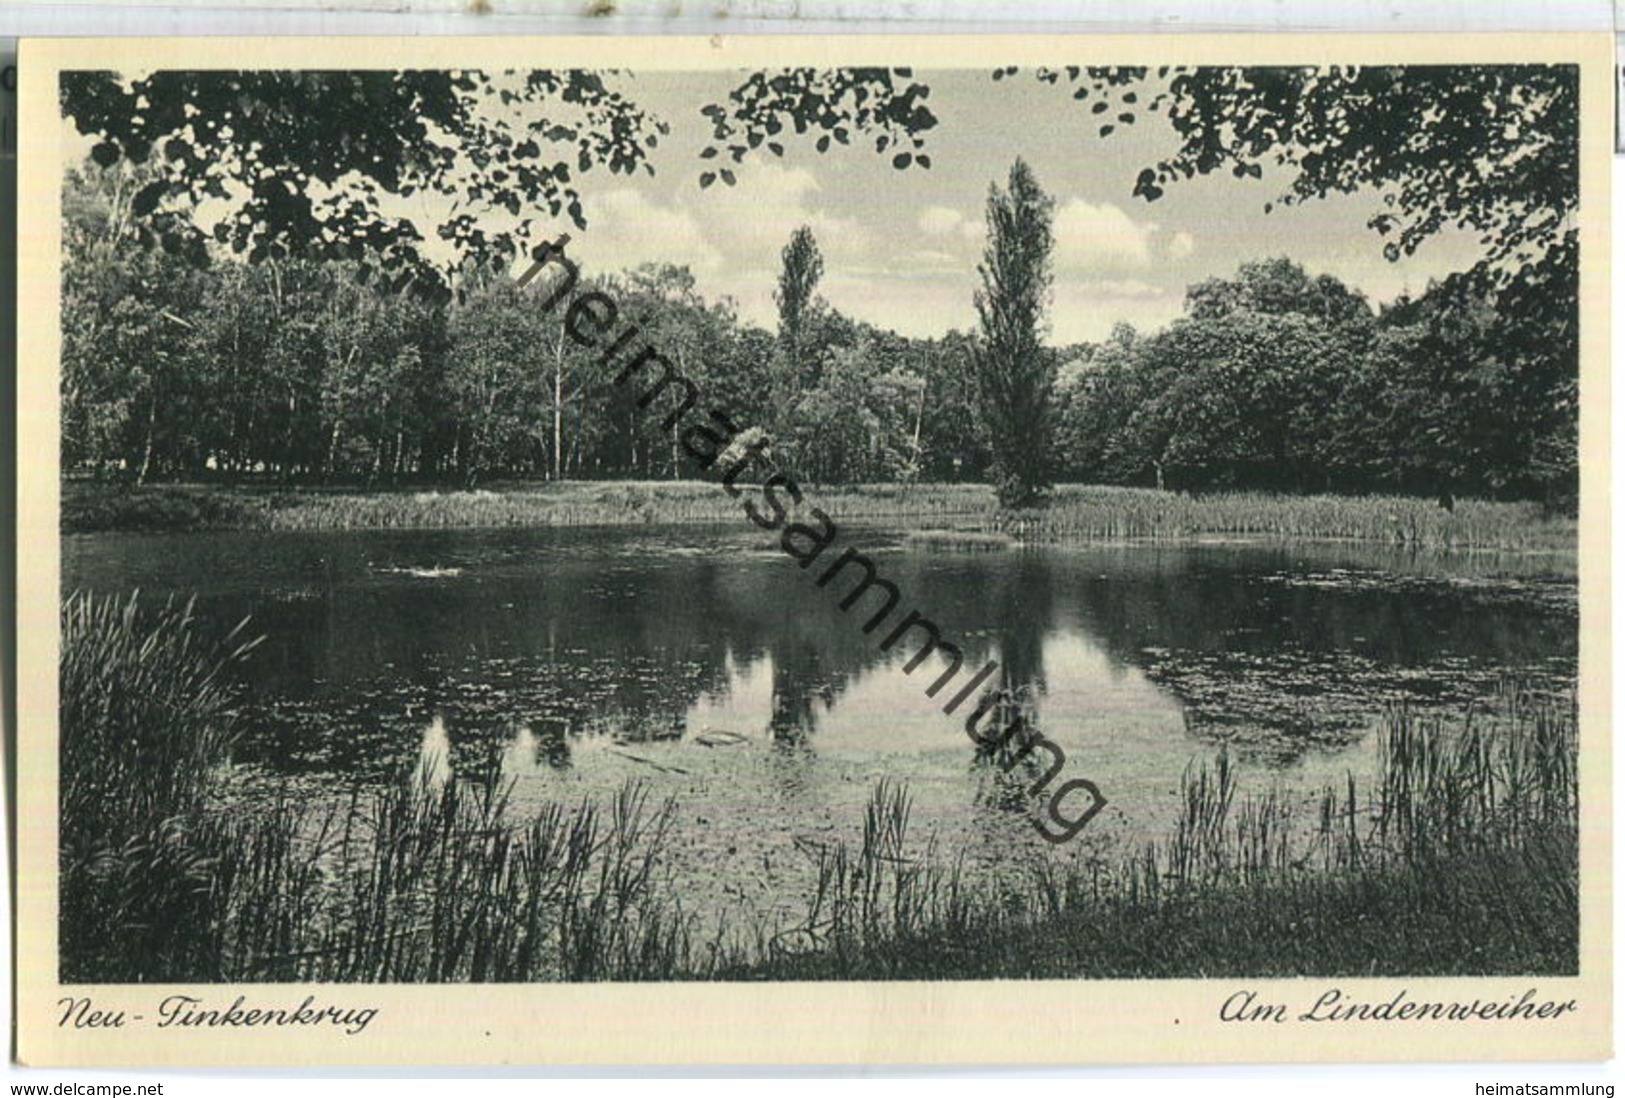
(993, 1022)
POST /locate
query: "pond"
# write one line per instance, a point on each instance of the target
(704, 662)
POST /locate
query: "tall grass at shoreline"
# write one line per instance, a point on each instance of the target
(1460, 857)
(1092, 513)
(419, 881)
(1076, 513)
(438, 882)
(146, 718)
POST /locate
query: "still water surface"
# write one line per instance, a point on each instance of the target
(706, 663)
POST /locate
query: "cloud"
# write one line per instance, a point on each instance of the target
(1100, 239)
(628, 230)
(1181, 246)
(749, 224)
(939, 220)
(731, 237)
(753, 224)
(1087, 309)
(952, 240)
(1122, 287)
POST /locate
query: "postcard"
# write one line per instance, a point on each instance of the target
(808, 550)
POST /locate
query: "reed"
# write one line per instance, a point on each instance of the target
(942, 515)
(92, 506)
(1462, 858)
(581, 504)
(877, 895)
(423, 879)
(437, 882)
(147, 717)
(1093, 513)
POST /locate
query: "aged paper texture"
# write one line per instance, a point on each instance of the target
(814, 550)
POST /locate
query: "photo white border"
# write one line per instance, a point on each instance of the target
(995, 1022)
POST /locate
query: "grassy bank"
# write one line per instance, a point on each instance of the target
(1460, 858)
(420, 881)
(1077, 513)
(147, 718)
(1087, 513)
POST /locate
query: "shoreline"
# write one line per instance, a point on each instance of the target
(947, 515)
(1393, 875)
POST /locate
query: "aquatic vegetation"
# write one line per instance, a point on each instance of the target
(429, 877)
(876, 894)
(436, 880)
(90, 506)
(1462, 858)
(1280, 704)
(964, 514)
(146, 718)
(1084, 513)
(1459, 857)
(966, 540)
(1545, 587)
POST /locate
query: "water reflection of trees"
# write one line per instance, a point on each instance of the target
(630, 643)
(1280, 657)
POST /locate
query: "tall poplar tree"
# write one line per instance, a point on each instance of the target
(1015, 373)
(798, 280)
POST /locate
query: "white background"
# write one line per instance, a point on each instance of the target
(823, 16)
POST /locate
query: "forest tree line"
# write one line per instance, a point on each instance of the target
(186, 365)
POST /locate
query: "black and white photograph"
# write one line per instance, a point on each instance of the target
(962, 517)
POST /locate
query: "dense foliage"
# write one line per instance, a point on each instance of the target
(300, 371)
(1015, 372)
(1281, 381)
(339, 353)
(300, 159)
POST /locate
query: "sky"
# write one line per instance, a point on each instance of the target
(901, 248)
